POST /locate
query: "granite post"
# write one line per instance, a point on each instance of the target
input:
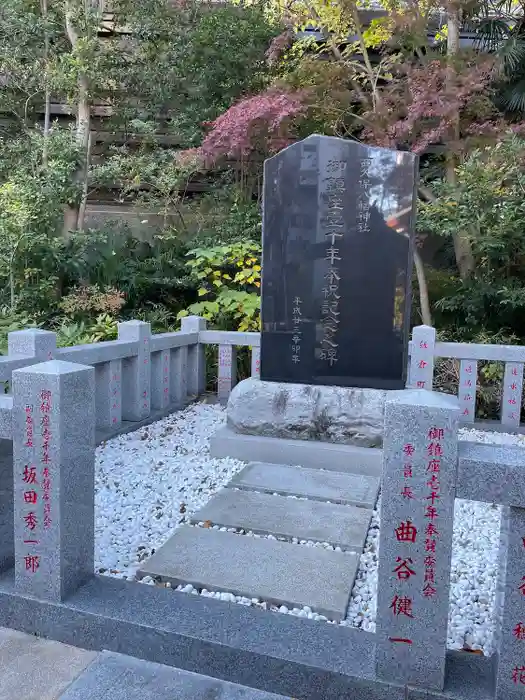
(421, 371)
(160, 379)
(54, 466)
(108, 394)
(512, 394)
(33, 342)
(7, 541)
(468, 379)
(256, 363)
(136, 371)
(510, 607)
(417, 512)
(179, 375)
(196, 357)
(227, 372)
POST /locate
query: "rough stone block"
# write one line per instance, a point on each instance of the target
(222, 561)
(417, 513)
(124, 678)
(54, 463)
(344, 526)
(136, 371)
(309, 453)
(317, 484)
(301, 411)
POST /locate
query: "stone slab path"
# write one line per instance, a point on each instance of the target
(32, 668)
(37, 669)
(316, 484)
(117, 677)
(262, 513)
(278, 572)
(276, 502)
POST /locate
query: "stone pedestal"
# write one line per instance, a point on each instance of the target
(333, 414)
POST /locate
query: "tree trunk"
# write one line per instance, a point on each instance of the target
(462, 247)
(83, 130)
(47, 113)
(424, 302)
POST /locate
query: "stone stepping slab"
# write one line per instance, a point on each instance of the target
(278, 572)
(118, 677)
(339, 525)
(317, 484)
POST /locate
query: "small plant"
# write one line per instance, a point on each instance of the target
(230, 278)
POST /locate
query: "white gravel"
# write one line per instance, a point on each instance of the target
(149, 482)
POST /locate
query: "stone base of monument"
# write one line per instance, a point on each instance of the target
(330, 427)
(335, 414)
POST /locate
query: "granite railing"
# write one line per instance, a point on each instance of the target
(47, 533)
(142, 374)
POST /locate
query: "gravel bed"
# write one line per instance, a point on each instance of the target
(149, 482)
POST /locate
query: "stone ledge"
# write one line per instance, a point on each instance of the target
(347, 459)
(272, 652)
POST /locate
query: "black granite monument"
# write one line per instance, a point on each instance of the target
(338, 225)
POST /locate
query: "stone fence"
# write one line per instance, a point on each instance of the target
(47, 532)
(140, 374)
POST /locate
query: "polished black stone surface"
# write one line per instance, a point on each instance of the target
(338, 226)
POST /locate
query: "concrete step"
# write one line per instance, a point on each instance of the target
(117, 677)
(317, 484)
(308, 453)
(37, 669)
(343, 526)
(278, 572)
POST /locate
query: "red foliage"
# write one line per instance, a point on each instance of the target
(265, 121)
(420, 107)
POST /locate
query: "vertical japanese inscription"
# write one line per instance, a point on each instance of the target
(416, 537)
(297, 317)
(333, 226)
(31, 497)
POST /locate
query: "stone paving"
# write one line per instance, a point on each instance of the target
(329, 507)
(40, 669)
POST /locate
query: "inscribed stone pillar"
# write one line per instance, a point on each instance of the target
(160, 379)
(227, 374)
(417, 510)
(421, 374)
(108, 394)
(468, 378)
(510, 607)
(179, 375)
(136, 371)
(54, 466)
(196, 357)
(512, 394)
